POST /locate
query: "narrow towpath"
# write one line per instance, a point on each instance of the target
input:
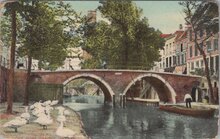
(35, 131)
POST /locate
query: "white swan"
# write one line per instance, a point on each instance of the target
(64, 132)
(66, 112)
(38, 110)
(44, 120)
(54, 102)
(36, 104)
(60, 110)
(46, 103)
(47, 109)
(61, 118)
(26, 115)
(15, 123)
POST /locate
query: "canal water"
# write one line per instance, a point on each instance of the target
(138, 121)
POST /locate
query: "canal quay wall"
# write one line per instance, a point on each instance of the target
(3, 83)
(37, 91)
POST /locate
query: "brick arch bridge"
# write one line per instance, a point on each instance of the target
(170, 87)
(105, 87)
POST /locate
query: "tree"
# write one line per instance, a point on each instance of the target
(126, 42)
(42, 35)
(200, 16)
(11, 9)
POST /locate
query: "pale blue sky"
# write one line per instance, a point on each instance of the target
(163, 15)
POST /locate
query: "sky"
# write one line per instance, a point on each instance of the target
(163, 15)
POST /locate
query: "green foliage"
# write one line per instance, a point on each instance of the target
(127, 42)
(5, 27)
(200, 15)
(5, 30)
(198, 71)
(76, 83)
(201, 72)
(41, 32)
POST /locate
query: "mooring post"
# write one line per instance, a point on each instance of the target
(123, 101)
(113, 100)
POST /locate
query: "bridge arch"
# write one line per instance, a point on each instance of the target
(106, 88)
(161, 81)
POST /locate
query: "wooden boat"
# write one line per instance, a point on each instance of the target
(152, 102)
(195, 111)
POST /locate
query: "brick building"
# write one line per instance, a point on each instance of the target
(180, 53)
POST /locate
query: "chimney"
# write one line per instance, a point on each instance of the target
(91, 16)
(180, 27)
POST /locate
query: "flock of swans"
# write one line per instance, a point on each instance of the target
(40, 112)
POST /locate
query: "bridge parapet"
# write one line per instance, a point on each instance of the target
(170, 87)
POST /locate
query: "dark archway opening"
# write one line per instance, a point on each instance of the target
(150, 88)
(89, 89)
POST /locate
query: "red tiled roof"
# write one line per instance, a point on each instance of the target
(165, 35)
(180, 35)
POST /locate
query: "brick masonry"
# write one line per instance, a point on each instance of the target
(3, 83)
(115, 82)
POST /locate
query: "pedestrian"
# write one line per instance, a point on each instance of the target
(188, 100)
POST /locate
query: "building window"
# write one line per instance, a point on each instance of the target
(174, 60)
(209, 47)
(215, 44)
(196, 51)
(166, 49)
(192, 65)
(216, 64)
(201, 46)
(177, 60)
(207, 59)
(167, 62)
(181, 47)
(170, 61)
(190, 35)
(201, 63)
(197, 64)
(182, 57)
(190, 51)
(211, 65)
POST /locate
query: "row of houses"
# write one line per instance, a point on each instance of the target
(180, 55)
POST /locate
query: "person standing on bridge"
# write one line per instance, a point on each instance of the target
(188, 100)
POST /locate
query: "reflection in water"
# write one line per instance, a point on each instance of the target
(138, 121)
